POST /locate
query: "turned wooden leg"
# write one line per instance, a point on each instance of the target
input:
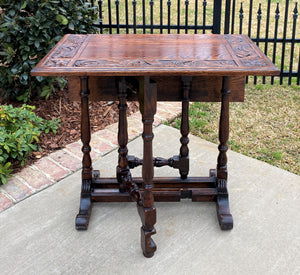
(82, 219)
(223, 212)
(122, 168)
(184, 127)
(123, 173)
(147, 210)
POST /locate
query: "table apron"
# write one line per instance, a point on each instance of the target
(169, 88)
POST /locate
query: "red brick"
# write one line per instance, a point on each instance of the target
(5, 202)
(174, 109)
(99, 145)
(170, 106)
(75, 149)
(34, 178)
(137, 115)
(162, 106)
(133, 133)
(135, 124)
(167, 104)
(17, 189)
(135, 128)
(107, 135)
(51, 168)
(165, 115)
(113, 128)
(66, 160)
(157, 121)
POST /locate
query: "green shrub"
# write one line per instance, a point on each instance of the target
(28, 30)
(19, 130)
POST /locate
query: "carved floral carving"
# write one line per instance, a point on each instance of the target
(234, 39)
(62, 56)
(254, 62)
(57, 63)
(155, 63)
(70, 47)
(243, 50)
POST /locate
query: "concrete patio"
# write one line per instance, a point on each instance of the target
(38, 234)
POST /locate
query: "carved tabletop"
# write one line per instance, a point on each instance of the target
(155, 54)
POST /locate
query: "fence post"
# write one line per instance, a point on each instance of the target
(217, 17)
(227, 16)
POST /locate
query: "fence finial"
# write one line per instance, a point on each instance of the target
(259, 12)
(241, 11)
(277, 11)
(295, 15)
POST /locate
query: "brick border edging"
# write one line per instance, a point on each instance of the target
(58, 165)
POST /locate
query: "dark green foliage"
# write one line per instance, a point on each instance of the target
(28, 30)
(19, 130)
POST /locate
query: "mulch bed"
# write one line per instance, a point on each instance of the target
(102, 114)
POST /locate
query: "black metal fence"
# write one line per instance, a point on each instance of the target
(271, 25)
(156, 16)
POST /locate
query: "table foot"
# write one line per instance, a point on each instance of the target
(223, 211)
(83, 217)
(148, 217)
(82, 221)
(225, 219)
(148, 250)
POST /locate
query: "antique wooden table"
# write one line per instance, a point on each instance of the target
(152, 68)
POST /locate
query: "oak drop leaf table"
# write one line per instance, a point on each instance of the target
(151, 68)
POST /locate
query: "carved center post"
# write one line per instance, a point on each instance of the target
(147, 211)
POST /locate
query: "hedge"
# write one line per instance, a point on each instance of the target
(28, 30)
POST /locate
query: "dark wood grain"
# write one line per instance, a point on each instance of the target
(161, 182)
(223, 212)
(184, 127)
(82, 219)
(147, 211)
(123, 173)
(161, 195)
(203, 88)
(155, 54)
(122, 168)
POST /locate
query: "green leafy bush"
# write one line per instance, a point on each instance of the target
(28, 30)
(19, 130)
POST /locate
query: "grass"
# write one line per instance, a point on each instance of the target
(266, 126)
